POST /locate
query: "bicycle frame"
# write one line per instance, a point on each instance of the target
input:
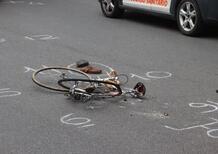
(83, 95)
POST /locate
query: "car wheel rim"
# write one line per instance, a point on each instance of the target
(108, 6)
(187, 16)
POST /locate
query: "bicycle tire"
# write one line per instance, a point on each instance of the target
(59, 89)
(119, 90)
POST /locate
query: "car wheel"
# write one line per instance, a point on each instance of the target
(189, 18)
(110, 8)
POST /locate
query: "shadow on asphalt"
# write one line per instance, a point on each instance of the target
(211, 31)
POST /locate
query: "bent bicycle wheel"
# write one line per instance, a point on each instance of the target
(95, 88)
(48, 77)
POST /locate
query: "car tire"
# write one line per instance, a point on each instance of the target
(111, 9)
(189, 18)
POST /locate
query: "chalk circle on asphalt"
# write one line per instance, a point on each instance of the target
(76, 121)
(198, 105)
(9, 93)
(213, 133)
(158, 74)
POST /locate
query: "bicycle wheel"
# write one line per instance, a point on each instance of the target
(48, 77)
(95, 88)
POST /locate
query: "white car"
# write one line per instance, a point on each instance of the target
(189, 14)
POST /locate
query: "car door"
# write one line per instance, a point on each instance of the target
(160, 6)
(138, 4)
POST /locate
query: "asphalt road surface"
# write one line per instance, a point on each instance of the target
(177, 116)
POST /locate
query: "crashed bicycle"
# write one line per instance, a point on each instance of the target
(81, 86)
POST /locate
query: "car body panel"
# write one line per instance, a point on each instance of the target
(160, 6)
(208, 8)
(138, 4)
(213, 10)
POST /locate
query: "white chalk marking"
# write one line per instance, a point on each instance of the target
(132, 103)
(70, 121)
(54, 70)
(122, 107)
(10, 93)
(212, 104)
(212, 131)
(137, 76)
(41, 37)
(44, 66)
(29, 38)
(205, 126)
(12, 2)
(15, 2)
(2, 40)
(149, 74)
(71, 65)
(29, 69)
(90, 125)
(36, 3)
(196, 126)
(4, 89)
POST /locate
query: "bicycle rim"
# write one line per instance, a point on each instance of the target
(48, 77)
